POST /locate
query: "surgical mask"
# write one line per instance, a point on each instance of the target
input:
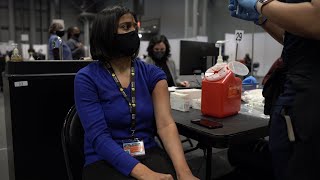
(60, 33)
(126, 44)
(158, 55)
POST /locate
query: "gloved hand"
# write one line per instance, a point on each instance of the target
(249, 5)
(242, 13)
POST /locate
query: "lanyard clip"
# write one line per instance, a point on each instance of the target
(132, 133)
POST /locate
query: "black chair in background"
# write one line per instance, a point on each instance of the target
(72, 136)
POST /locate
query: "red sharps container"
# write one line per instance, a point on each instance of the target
(221, 90)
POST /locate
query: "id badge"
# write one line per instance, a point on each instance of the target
(134, 147)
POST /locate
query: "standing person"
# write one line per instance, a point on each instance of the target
(159, 55)
(248, 61)
(74, 43)
(294, 126)
(123, 103)
(58, 49)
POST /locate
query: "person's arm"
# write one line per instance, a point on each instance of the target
(174, 74)
(167, 130)
(77, 53)
(78, 49)
(274, 30)
(297, 18)
(75, 49)
(56, 43)
(240, 12)
(142, 172)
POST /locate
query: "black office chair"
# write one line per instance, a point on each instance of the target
(72, 136)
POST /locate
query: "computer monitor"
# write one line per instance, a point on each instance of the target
(196, 57)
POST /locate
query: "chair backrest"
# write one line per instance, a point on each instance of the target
(72, 136)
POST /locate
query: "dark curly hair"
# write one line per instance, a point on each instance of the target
(156, 40)
(103, 31)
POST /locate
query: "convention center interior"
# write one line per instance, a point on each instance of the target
(158, 89)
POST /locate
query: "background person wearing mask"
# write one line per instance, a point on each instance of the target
(123, 102)
(56, 31)
(159, 55)
(294, 118)
(74, 43)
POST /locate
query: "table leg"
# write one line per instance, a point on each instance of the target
(208, 163)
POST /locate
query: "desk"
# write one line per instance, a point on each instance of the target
(239, 128)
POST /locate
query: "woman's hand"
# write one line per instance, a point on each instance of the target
(142, 172)
(187, 176)
(185, 83)
(157, 176)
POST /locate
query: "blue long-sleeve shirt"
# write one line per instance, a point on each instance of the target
(53, 39)
(105, 114)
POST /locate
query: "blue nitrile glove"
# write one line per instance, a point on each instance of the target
(249, 5)
(241, 12)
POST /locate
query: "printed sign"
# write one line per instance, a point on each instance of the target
(238, 35)
(20, 83)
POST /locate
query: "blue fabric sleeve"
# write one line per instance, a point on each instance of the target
(155, 75)
(56, 43)
(95, 126)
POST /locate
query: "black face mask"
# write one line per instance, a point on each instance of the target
(76, 36)
(158, 55)
(60, 33)
(126, 44)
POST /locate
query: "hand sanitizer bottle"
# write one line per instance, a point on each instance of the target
(31, 58)
(15, 54)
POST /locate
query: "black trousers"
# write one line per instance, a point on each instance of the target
(156, 159)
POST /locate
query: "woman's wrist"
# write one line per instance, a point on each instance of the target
(140, 171)
(183, 172)
(260, 4)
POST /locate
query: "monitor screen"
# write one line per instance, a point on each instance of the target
(196, 57)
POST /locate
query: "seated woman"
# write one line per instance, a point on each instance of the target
(123, 103)
(159, 55)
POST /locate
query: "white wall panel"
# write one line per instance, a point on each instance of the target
(266, 50)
